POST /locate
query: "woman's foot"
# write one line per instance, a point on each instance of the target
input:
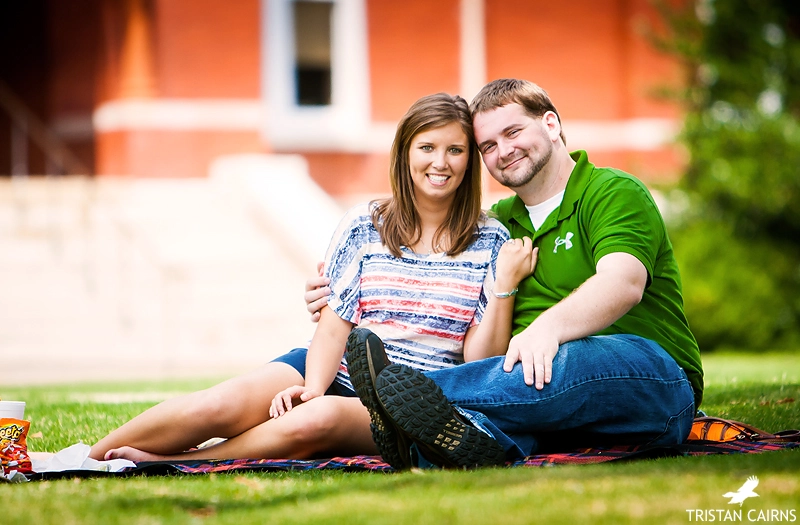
(132, 454)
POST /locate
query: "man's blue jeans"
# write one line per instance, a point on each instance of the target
(605, 390)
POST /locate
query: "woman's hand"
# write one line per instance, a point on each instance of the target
(516, 261)
(282, 402)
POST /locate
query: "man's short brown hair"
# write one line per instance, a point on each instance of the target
(504, 91)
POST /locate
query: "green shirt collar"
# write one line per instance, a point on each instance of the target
(576, 184)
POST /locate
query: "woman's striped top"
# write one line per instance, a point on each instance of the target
(419, 305)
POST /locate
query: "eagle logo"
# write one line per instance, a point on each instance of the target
(744, 492)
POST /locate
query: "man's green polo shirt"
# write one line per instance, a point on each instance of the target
(604, 211)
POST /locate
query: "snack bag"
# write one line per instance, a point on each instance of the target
(13, 446)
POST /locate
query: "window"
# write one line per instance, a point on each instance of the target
(312, 44)
(316, 77)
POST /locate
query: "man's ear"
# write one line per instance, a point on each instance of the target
(553, 126)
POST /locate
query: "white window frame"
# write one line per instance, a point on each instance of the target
(344, 125)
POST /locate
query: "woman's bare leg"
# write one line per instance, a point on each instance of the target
(224, 410)
(322, 427)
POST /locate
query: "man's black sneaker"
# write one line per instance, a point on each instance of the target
(365, 359)
(418, 407)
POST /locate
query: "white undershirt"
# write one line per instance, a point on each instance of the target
(541, 211)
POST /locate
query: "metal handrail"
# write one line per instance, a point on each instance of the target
(25, 124)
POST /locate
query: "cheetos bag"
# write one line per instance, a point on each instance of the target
(13, 446)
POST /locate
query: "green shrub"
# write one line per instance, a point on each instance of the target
(739, 243)
(733, 289)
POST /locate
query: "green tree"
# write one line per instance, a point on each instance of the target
(739, 241)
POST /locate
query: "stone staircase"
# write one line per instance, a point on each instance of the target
(111, 279)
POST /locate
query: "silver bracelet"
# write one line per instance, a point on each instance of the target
(506, 294)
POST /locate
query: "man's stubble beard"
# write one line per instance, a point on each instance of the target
(530, 174)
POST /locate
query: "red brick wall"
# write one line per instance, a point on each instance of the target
(414, 51)
(343, 174)
(168, 154)
(588, 54)
(208, 48)
(200, 49)
(594, 60)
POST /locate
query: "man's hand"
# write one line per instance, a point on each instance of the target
(617, 287)
(317, 292)
(536, 350)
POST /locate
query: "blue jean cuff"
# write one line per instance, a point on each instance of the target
(482, 423)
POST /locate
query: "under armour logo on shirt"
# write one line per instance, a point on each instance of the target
(566, 242)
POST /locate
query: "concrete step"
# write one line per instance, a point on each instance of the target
(125, 279)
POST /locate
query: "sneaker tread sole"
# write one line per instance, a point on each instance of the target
(418, 407)
(391, 443)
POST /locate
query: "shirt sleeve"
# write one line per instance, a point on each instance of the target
(343, 264)
(501, 236)
(623, 217)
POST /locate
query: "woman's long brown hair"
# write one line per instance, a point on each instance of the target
(396, 218)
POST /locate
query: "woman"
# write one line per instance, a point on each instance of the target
(416, 269)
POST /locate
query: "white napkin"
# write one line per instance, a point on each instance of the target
(77, 457)
(15, 477)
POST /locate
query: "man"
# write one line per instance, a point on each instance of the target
(601, 352)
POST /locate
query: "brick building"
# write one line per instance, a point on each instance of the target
(160, 88)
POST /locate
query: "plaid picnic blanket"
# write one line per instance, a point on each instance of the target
(376, 464)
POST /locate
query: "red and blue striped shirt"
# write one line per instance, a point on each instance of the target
(420, 305)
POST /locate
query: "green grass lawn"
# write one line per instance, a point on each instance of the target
(763, 390)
